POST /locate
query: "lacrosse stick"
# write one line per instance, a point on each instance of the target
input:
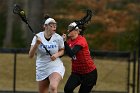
(17, 10)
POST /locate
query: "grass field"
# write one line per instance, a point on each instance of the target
(112, 73)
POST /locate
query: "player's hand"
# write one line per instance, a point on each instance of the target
(53, 58)
(38, 40)
(64, 36)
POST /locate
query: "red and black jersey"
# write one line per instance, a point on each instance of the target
(83, 63)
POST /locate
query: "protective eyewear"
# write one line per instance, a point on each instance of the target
(52, 24)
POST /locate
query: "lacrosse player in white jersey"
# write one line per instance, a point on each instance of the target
(49, 68)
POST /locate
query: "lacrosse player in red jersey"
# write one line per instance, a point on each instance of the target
(84, 71)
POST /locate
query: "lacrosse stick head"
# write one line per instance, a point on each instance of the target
(19, 11)
(81, 22)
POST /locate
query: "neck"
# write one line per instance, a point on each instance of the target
(47, 34)
(74, 37)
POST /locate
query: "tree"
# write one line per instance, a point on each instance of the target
(8, 36)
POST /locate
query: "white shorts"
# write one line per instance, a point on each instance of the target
(43, 70)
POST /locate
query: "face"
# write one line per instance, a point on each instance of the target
(73, 33)
(50, 27)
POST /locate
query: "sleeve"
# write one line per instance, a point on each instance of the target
(34, 40)
(60, 43)
(72, 52)
(76, 49)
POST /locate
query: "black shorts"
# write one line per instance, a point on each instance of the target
(86, 82)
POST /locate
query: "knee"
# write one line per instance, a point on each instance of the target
(53, 87)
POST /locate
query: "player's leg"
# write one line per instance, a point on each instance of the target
(54, 81)
(73, 81)
(88, 81)
(44, 86)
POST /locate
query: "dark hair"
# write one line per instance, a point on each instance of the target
(45, 17)
(82, 27)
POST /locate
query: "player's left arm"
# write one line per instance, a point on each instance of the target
(72, 52)
(60, 51)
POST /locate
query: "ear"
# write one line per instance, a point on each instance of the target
(78, 31)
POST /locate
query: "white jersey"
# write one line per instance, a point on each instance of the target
(44, 65)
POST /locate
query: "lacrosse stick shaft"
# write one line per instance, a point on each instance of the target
(37, 36)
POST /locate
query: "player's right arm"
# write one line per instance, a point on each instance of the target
(34, 47)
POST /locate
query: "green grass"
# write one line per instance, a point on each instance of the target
(112, 74)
